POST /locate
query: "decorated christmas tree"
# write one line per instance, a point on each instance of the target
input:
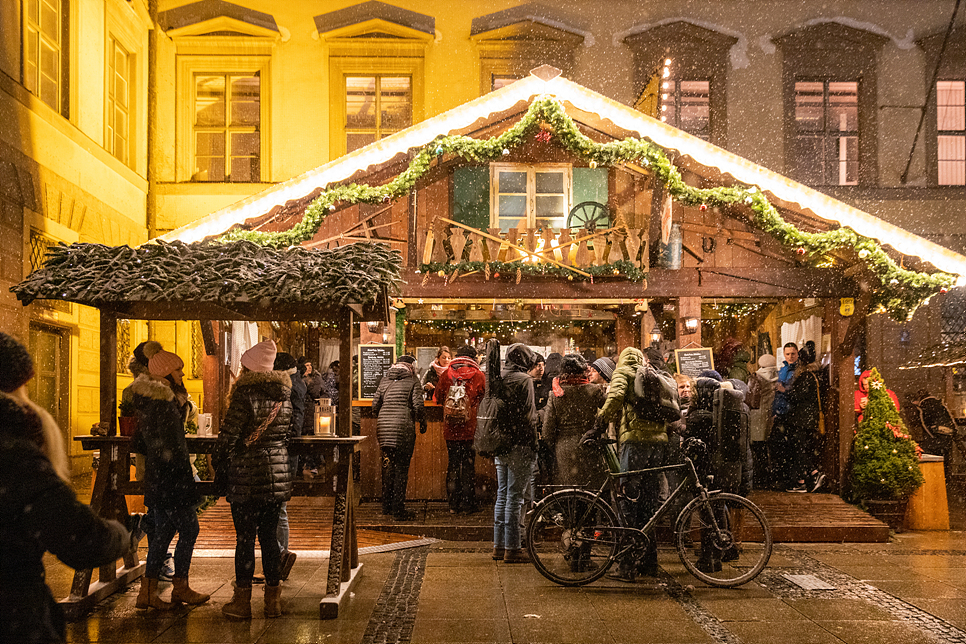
(886, 459)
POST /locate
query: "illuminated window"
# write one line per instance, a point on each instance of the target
(827, 132)
(529, 196)
(226, 129)
(686, 104)
(117, 139)
(45, 26)
(39, 244)
(951, 132)
(499, 81)
(375, 107)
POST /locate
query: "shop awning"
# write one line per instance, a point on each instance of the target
(939, 355)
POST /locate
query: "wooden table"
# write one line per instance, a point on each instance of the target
(112, 483)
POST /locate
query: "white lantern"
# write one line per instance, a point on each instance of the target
(324, 417)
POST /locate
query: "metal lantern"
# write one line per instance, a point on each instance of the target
(324, 417)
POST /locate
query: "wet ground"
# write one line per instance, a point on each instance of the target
(912, 589)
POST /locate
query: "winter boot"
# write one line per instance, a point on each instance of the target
(498, 554)
(182, 594)
(273, 600)
(516, 555)
(240, 606)
(149, 598)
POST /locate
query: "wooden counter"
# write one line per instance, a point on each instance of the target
(427, 473)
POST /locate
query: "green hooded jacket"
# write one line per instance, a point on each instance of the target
(619, 407)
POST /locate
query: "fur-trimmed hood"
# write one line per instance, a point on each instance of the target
(150, 387)
(22, 418)
(263, 378)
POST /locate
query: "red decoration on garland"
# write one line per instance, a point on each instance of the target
(800, 251)
(703, 207)
(496, 274)
(944, 290)
(543, 136)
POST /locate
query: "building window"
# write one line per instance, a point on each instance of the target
(226, 130)
(39, 243)
(686, 104)
(499, 81)
(375, 107)
(525, 196)
(951, 132)
(118, 136)
(826, 147)
(45, 23)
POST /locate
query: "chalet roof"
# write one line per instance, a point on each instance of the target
(211, 280)
(939, 355)
(603, 114)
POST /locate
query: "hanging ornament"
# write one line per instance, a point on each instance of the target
(425, 279)
(439, 150)
(592, 164)
(703, 207)
(486, 271)
(332, 208)
(506, 152)
(495, 275)
(943, 290)
(863, 253)
(893, 282)
(799, 251)
(441, 273)
(519, 274)
(543, 136)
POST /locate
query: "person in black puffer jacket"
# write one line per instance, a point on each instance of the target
(169, 484)
(398, 406)
(251, 460)
(513, 468)
(39, 511)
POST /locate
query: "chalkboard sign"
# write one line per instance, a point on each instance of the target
(374, 362)
(691, 362)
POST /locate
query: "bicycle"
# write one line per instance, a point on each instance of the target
(575, 535)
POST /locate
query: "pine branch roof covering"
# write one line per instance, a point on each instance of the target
(216, 274)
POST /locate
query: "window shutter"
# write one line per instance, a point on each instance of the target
(590, 184)
(471, 196)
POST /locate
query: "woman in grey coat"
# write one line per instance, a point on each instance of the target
(398, 406)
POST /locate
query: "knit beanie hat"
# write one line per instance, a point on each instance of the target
(710, 373)
(164, 363)
(146, 350)
(767, 360)
(605, 367)
(16, 365)
(407, 359)
(260, 357)
(285, 362)
(466, 351)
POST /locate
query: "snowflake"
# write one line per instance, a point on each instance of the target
(876, 384)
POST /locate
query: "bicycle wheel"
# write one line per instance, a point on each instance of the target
(723, 542)
(572, 537)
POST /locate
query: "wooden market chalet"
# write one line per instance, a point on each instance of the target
(548, 201)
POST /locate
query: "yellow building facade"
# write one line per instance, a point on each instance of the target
(124, 119)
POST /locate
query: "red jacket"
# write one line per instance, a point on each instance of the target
(468, 371)
(861, 393)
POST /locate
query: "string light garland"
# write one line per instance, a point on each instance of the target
(515, 326)
(900, 291)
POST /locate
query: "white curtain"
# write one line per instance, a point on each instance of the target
(800, 332)
(244, 335)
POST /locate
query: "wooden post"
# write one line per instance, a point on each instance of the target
(688, 307)
(344, 420)
(108, 376)
(628, 333)
(213, 366)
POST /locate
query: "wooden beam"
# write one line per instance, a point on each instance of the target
(735, 282)
(108, 371)
(344, 419)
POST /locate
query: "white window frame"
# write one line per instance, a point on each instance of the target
(191, 65)
(32, 77)
(126, 134)
(957, 134)
(531, 169)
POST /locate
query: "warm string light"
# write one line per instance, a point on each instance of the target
(665, 86)
(516, 326)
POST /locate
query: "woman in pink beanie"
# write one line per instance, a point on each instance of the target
(252, 467)
(169, 484)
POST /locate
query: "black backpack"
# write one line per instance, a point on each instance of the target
(731, 436)
(656, 395)
(491, 439)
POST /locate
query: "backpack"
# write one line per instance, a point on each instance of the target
(491, 437)
(753, 399)
(656, 395)
(456, 407)
(731, 438)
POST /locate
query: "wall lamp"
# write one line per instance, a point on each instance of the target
(691, 325)
(656, 334)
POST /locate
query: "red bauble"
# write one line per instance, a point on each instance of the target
(800, 251)
(496, 274)
(703, 207)
(944, 290)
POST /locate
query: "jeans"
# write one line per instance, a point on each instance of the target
(167, 522)
(461, 475)
(513, 470)
(644, 492)
(395, 477)
(253, 518)
(283, 528)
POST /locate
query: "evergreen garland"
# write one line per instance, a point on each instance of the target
(899, 292)
(622, 268)
(885, 458)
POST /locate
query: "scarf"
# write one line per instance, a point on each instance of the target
(437, 368)
(573, 380)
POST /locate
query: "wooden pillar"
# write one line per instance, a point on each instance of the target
(845, 331)
(688, 307)
(628, 332)
(215, 376)
(344, 419)
(108, 375)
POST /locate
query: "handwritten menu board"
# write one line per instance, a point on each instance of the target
(374, 362)
(691, 362)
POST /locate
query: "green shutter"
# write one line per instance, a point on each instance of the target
(590, 184)
(471, 196)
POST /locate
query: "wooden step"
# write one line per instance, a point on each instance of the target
(817, 518)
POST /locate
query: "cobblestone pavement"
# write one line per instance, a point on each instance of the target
(910, 590)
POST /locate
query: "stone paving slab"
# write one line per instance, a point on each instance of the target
(903, 591)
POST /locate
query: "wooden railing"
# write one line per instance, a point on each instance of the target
(451, 242)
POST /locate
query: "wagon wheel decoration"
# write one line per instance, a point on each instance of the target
(588, 215)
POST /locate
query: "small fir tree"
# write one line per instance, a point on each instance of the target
(886, 459)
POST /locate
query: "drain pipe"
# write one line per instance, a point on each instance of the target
(151, 215)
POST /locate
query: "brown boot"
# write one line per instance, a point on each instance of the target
(149, 598)
(273, 600)
(182, 594)
(498, 554)
(516, 555)
(240, 606)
